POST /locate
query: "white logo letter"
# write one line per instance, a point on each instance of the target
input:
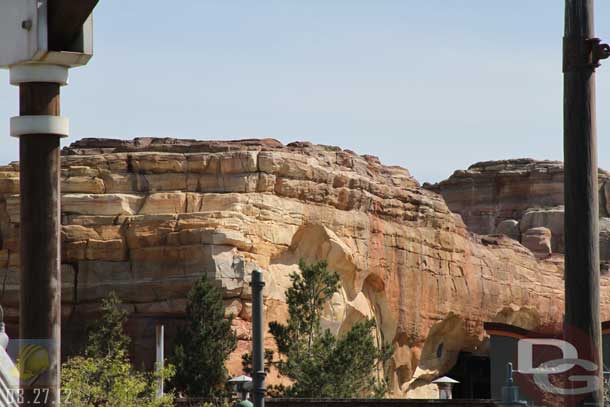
(525, 352)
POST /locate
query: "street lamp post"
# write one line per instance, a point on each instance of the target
(258, 337)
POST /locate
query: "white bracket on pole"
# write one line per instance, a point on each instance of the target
(24, 125)
(38, 73)
(44, 73)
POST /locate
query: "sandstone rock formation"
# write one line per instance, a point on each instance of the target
(148, 217)
(493, 194)
(538, 240)
(510, 228)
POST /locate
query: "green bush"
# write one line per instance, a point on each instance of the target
(104, 376)
(110, 381)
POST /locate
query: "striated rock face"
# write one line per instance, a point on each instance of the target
(538, 240)
(148, 217)
(490, 196)
(492, 191)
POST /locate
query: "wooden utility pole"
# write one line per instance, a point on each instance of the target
(40, 302)
(581, 54)
(39, 128)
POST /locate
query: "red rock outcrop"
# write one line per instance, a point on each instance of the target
(513, 196)
(148, 217)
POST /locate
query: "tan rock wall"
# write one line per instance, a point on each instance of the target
(489, 192)
(491, 195)
(147, 218)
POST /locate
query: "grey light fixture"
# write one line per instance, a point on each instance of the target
(241, 385)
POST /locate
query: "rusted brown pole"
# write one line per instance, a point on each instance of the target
(582, 319)
(40, 302)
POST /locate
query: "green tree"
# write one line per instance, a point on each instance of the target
(318, 363)
(306, 298)
(104, 377)
(106, 335)
(204, 344)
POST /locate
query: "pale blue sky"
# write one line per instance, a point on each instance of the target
(430, 85)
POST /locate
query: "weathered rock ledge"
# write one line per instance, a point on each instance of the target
(148, 217)
(518, 197)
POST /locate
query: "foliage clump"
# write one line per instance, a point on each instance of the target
(104, 376)
(319, 364)
(204, 344)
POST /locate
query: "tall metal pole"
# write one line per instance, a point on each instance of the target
(258, 351)
(581, 55)
(40, 302)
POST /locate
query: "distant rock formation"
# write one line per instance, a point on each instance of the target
(513, 196)
(148, 217)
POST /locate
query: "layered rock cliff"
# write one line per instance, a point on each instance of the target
(148, 217)
(517, 198)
